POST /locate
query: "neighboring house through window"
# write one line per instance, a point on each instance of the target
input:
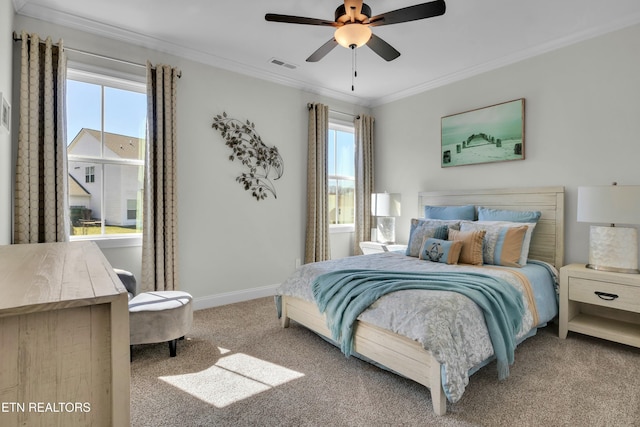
(341, 175)
(106, 127)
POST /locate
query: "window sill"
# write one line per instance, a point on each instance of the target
(343, 228)
(116, 241)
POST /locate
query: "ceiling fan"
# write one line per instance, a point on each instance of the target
(353, 21)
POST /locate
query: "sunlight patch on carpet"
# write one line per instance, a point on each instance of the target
(232, 378)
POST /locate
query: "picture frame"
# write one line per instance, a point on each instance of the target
(5, 113)
(484, 135)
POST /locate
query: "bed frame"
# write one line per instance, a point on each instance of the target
(407, 357)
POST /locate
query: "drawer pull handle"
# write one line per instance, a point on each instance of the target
(605, 296)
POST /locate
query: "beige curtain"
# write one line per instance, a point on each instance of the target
(364, 179)
(160, 216)
(317, 230)
(41, 189)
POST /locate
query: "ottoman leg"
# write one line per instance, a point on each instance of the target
(172, 347)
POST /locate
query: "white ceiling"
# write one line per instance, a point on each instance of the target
(471, 37)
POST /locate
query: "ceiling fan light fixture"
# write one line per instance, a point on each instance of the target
(352, 34)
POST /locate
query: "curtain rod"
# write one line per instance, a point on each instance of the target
(357, 116)
(17, 37)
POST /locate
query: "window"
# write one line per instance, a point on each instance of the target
(106, 128)
(341, 174)
(132, 209)
(90, 174)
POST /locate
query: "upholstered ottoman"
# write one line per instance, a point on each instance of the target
(160, 316)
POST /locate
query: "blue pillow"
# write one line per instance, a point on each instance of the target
(421, 229)
(487, 214)
(444, 251)
(467, 212)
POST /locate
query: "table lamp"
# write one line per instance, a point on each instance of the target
(385, 207)
(611, 248)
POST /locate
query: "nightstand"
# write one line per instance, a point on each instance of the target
(600, 303)
(375, 247)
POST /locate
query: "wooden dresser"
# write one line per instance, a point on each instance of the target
(64, 337)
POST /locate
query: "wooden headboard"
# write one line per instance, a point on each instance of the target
(547, 242)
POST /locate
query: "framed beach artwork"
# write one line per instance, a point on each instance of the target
(485, 135)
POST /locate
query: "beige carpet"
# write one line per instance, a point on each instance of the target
(238, 367)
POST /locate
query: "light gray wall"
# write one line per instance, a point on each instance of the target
(582, 128)
(231, 247)
(582, 111)
(6, 177)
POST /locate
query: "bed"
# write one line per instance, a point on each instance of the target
(395, 346)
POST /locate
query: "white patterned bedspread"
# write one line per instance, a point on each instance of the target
(448, 324)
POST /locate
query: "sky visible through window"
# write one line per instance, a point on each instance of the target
(124, 111)
(341, 171)
(341, 154)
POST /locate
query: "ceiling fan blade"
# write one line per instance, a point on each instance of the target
(382, 48)
(322, 51)
(411, 13)
(288, 19)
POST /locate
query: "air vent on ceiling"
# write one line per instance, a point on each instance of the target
(282, 63)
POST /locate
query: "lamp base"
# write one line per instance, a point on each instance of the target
(613, 249)
(386, 230)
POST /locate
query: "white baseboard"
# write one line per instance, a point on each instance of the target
(201, 303)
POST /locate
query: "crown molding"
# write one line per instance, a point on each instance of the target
(130, 37)
(23, 7)
(509, 59)
(19, 4)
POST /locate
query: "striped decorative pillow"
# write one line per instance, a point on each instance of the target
(502, 243)
(471, 252)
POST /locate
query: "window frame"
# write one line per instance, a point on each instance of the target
(349, 127)
(104, 77)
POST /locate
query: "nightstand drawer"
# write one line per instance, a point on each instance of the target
(613, 295)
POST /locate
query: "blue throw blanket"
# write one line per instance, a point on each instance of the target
(344, 294)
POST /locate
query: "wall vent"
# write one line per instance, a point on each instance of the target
(282, 63)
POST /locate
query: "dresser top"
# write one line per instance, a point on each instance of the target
(51, 276)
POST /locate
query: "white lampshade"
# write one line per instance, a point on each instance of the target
(609, 204)
(352, 34)
(611, 248)
(385, 204)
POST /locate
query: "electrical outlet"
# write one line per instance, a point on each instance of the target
(297, 262)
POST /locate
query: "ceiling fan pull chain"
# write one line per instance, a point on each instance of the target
(355, 63)
(354, 73)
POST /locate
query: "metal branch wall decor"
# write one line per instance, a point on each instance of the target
(264, 163)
